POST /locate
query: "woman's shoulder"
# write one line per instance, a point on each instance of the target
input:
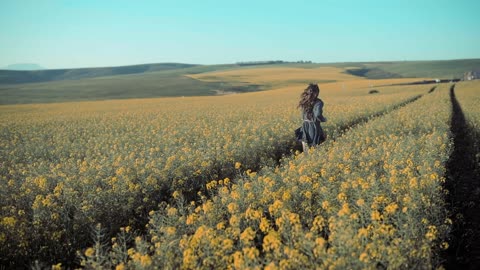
(318, 102)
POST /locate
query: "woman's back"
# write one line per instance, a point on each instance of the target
(311, 132)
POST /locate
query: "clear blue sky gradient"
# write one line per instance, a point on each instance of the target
(93, 33)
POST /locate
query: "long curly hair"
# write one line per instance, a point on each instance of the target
(308, 99)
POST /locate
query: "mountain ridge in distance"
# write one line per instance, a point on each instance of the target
(24, 66)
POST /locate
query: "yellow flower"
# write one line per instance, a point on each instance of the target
(318, 223)
(271, 241)
(320, 241)
(271, 266)
(363, 257)
(325, 205)
(226, 181)
(41, 182)
(9, 222)
(238, 165)
(227, 244)
(360, 202)
(432, 233)
(207, 206)
(375, 215)
(234, 221)
(172, 211)
(413, 183)
(171, 230)
(145, 260)
(189, 258)
(286, 196)
(89, 252)
(121, 266)
(232, 208)
(253, 214)
(247, 235)
(275, 207)
(212, 184)
(391, 208)
(342, 197)
(345, 210)
(362, 232)
(238, 261)
(220, 226)
(190, 219)
(264, 225)
(251, 253)
(294, 218)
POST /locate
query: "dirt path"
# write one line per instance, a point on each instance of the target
(463, 183)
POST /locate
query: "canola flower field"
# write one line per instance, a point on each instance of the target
(370, 197)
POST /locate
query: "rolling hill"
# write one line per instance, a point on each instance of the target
(24, 66)
(176, 79)
(17, 76)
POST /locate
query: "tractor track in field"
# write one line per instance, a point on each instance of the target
(463, 184)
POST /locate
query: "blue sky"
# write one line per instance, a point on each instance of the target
(84, 33)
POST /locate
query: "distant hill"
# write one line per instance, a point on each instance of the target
(163, 83)
(447, 69)
(442, 69)
(14, 76)
(170, 80)
(24, 66)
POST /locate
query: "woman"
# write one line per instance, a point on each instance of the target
(311, 133)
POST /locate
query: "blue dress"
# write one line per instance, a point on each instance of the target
(311, 132)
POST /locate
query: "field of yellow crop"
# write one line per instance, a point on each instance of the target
(69, 166)
(276, 75)
(220, 182)
(370, 198)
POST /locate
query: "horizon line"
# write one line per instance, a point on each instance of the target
(235, 63)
